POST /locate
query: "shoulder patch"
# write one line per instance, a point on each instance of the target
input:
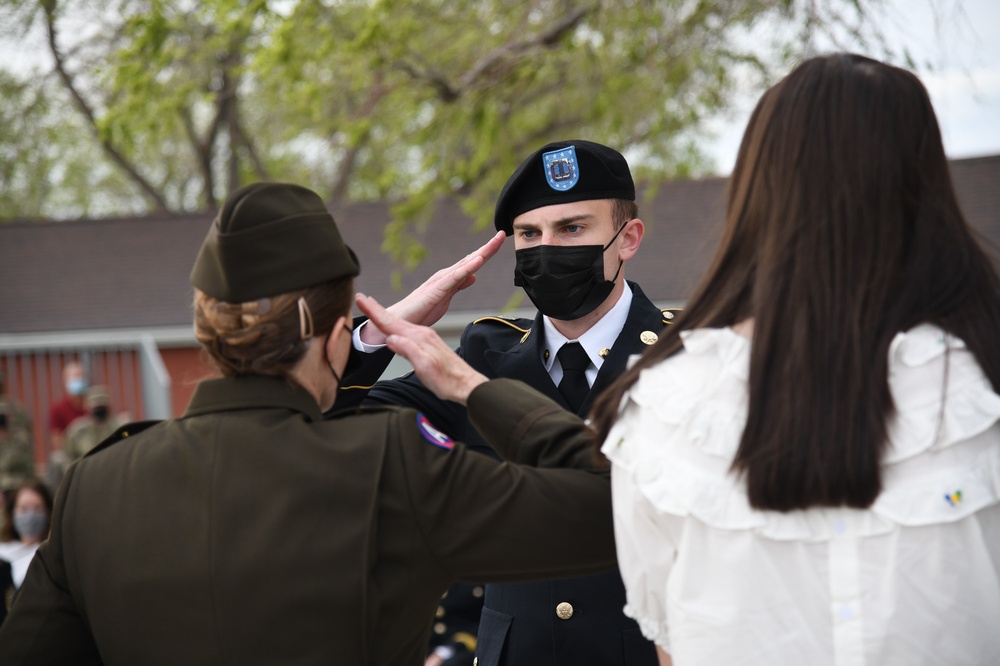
(432, 434)
(123, 432)
(670, 315)
(508, 321)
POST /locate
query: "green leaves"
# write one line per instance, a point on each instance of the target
(398, 100)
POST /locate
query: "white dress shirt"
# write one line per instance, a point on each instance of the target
(598, 337)
(913, 580)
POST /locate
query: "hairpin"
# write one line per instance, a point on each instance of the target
(305, 319)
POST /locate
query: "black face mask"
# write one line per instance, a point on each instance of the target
(565, 282)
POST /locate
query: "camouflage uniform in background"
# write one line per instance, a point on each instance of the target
(17, 450)
(87, 431)
(84, 434)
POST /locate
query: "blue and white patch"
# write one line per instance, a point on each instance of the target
(562, 171)
(432, 434)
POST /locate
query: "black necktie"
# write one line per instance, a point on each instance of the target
(574, 386)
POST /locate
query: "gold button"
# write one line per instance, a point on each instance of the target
(668, 315)
(475, 661)
(440, 612)
(647, 337)
(440, 628)
(477, 591)
(564, 611)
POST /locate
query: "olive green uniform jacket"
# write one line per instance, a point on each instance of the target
(251, 531)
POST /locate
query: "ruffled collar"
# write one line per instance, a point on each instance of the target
(681, 423)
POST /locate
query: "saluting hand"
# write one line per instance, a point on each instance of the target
(426, 304)
(438, 367)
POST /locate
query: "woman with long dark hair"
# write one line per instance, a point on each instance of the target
(806, 468)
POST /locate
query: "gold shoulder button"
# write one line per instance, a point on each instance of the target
(670, 314)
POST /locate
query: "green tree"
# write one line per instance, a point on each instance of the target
(176, 102)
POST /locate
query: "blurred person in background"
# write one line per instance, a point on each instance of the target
(29, 512)
(94, 427)
(17, 449)
(6, 572)
(70, 407)
(61, 414)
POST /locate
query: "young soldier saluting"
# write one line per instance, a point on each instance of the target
(571, 209)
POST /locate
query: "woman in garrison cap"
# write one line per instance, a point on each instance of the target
(252, 530)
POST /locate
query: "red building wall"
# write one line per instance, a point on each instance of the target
(34, 381)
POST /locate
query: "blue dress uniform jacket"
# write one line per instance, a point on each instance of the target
(252, 531)
(558, 622)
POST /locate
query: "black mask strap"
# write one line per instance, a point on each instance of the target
(326, 344)
(620, 262)
(620, 229)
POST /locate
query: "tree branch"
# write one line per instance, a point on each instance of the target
(547, 39)
(116, 156)
(346, 166)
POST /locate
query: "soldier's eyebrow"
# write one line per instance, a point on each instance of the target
(573, 219)
(559, 223)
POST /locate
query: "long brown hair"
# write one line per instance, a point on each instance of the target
(842, 230)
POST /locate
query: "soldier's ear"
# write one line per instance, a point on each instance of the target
(340, 328)
(631, 237)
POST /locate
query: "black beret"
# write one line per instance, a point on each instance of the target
(270, 239)
(562, 172)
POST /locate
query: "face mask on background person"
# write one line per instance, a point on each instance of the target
(76, 386)
(31, 524)
(565, 282)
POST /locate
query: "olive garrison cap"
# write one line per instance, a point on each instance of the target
(563, 172)
(270, 239)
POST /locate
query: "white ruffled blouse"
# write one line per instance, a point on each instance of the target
(913, 580)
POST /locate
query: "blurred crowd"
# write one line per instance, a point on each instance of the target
(78, 422)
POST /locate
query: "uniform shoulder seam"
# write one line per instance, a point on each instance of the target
(358, 411)
(124, 432)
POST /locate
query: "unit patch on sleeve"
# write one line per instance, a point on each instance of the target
(432, 434)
